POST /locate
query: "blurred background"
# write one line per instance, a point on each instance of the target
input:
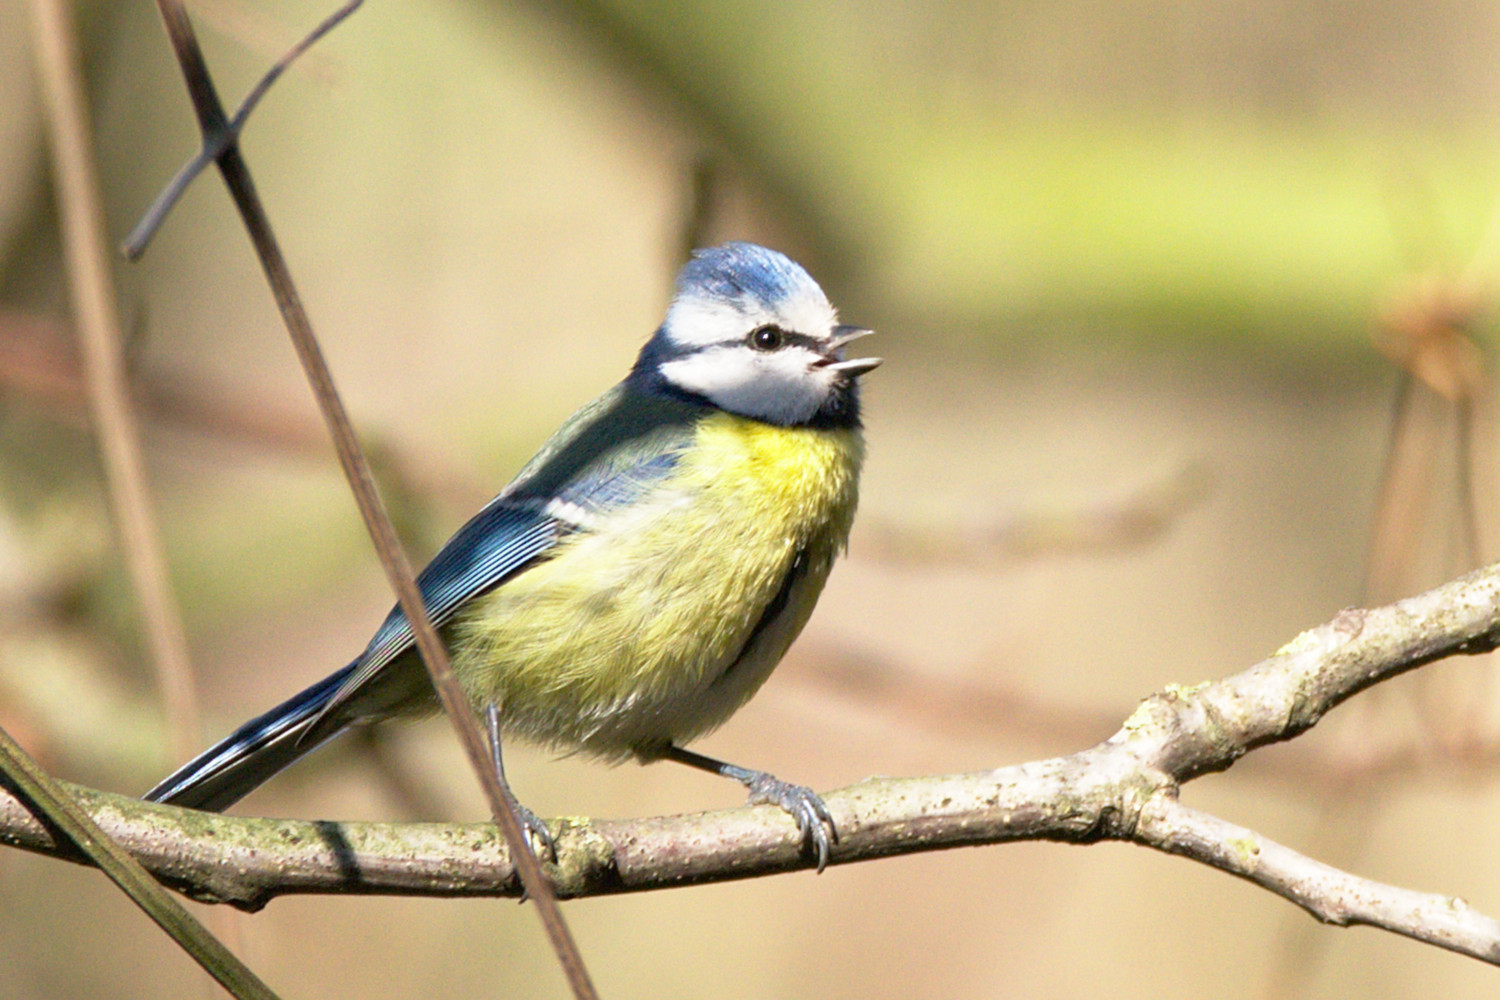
(1180, 305)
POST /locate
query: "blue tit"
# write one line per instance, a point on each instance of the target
(640, 578)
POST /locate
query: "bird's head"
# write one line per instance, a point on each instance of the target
(752, 333)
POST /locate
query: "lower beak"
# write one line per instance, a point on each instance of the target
(857, 366)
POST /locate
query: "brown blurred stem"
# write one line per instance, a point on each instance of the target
(434, 656)
(1468, 497)
(696, 99)
(31, 365)
(1124, 789)
(705, 180)
(1395, 505)
(1139, 516)
(92, 293)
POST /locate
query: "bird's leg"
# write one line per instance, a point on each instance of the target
(803, 803)
(536, 831)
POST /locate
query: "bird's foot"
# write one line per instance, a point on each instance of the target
(538, 837)
(804, 805)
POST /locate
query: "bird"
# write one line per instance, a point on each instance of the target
(639, 579)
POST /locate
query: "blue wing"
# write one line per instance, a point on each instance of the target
(536, 511)
(498, 541)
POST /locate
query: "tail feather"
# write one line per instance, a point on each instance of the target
(235, 766)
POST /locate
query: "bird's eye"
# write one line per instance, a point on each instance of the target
(766, 338)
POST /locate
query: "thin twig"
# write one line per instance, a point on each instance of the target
(237, 178)
(1330, 895)
(91, 289)
(221, 136)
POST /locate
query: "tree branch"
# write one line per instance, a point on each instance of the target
(1330, 895)
(1122, 789)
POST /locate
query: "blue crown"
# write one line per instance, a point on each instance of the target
(743, 272)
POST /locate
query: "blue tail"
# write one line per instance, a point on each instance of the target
(235, 766)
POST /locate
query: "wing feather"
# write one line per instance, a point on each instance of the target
(536, 511)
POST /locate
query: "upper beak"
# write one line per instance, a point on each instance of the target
(858, 366)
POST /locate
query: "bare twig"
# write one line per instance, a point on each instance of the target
(91, 288)
(262, 31)
(1332, 896)
(219, 135)
(1122, 789)
(434, 656)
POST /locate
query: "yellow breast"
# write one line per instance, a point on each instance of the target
(614, 644)
(803, 479)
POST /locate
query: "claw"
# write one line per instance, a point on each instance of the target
(805, 806)
(538, 837)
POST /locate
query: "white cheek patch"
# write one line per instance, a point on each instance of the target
(780, 387)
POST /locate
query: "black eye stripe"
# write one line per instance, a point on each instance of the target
(802, 340)
(788, 339)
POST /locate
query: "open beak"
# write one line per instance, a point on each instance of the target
(858, 366)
